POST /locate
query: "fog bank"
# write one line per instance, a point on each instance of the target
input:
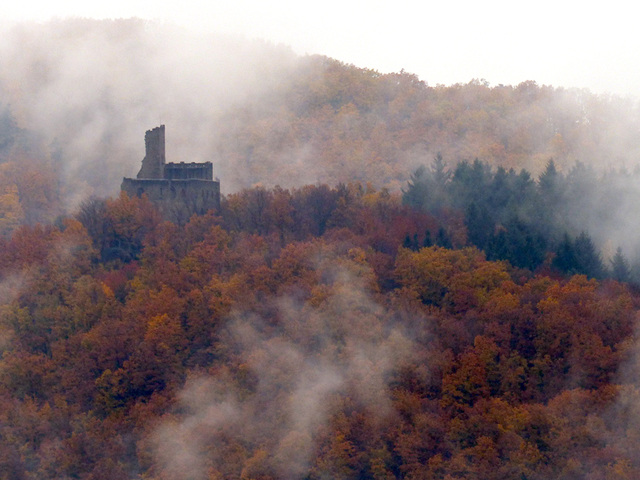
(94, 88)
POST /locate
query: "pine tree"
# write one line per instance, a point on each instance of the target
(565, 259)
(526, 246)
(479, 225)
(442, 239)
(550, 190)
(587, 258)
(439, 170)
(407, 242)
(427, 239)
(498, 248)
(418, 189)
(550, 181)
(620, 269)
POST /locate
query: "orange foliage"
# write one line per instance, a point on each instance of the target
(301, 340)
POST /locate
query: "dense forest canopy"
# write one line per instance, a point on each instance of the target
(293, 336)
(584, 217)
(403, 280)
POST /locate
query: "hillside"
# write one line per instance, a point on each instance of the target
(79, 99)
(338, 123)
(403, 281)
(303, 342)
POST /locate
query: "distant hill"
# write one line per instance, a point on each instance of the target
(84, 91)
(338, 123)
(389, 312)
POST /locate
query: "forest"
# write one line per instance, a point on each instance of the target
(265, 116)
(403, 281)
(511, 217)
(297, 335)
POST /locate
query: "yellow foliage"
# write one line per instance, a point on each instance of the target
(459, 279)
(106, 290)
(162, 327)
(11, 213)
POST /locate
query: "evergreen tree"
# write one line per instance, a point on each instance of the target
(588, 259)
(581, 198)
(500, 191)
(549, 182)
(620, 269)
(480, 225)
(480, 174)
(526, 246)
(519, 244)
(411, 243)
(442, 239)
(470, 183)
(407, 242)
(427, 239)
(439, 172)
(498, 247)
(550, 191)
(418, 188)
(440, 176)
(565, 259)
(533, 253)
(427, 189)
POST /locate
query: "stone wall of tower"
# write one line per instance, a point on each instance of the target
(154, 159)
(178, 190)
(176, 200)
(185, 171)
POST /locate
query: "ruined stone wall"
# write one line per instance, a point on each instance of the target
(176, 200)
(185, 171)
(178, 190)
(154, 159)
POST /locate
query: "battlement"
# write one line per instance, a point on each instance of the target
(183, 171)
(178, 190)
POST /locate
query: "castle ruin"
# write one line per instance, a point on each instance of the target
(178, 190)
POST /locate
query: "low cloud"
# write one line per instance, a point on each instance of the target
(94, 87)
(292, 374)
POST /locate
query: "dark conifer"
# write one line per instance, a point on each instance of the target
(620, 269)
(587, 258)
(500, 191)
(479, 225)
(442, 239)
(407, 242)
(565, 259)
(498, 248)
(418, 189)
(427, 239)
(549, 181)
(441, 175)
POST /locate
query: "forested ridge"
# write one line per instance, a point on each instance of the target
(336, 123)
(265, 116)
(404, 281)
(532, 223)
(293, 336)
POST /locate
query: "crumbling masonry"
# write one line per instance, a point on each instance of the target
(178, 190)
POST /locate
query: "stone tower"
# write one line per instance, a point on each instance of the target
(178, 190)
(154, 159)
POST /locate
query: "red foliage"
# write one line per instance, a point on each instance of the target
(308, 348)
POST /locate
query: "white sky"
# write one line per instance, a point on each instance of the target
(571, 44)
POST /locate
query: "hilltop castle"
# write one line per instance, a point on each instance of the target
(178, 190)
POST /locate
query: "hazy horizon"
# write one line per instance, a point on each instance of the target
(553, 44)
